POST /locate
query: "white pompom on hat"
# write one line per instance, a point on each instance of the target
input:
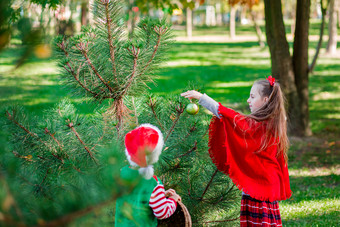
(143, 146)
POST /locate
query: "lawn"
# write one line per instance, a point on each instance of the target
(225, 71)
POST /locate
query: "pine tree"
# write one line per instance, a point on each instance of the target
(185, 164)
(104, 63)
(52, 173)
(56, 160)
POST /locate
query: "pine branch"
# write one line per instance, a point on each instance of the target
(221, 221)
(83, 48)
(134, 52)
(192, 129)
(9, 221)
(180, 110)
(71, 71)
(72, 216)
(26, 158)
(11, 118)
(53, 137)
(135, 109)
(112, 52)
(104, 131)
(189, 194)
(152, 105)
(71, 126)
(225, 193)
(43, 179)
(159, 32)
(188, 152)
(208, 185)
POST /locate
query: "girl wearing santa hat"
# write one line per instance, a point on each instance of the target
(148, 201)
(252, 150)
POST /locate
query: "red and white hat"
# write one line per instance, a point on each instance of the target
(143, 146)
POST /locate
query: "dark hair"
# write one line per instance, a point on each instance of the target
(274, 113)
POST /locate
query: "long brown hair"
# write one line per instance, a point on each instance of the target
(274, 113)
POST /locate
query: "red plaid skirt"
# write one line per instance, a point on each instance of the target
(259, 213)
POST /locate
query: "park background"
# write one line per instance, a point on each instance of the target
(220, 59)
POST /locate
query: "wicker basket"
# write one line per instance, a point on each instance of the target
(180, 218)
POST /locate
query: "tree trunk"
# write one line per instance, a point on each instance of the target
(338, 12)
(131, 23)
(300, 64)
(232, 22)
(257, 28)
(131, 20)
(84, 13)
(282, 67)
(332, 29)
(318, 47)
(219, 21)
(189, 23)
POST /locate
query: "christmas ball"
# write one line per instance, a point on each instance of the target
(192, 109)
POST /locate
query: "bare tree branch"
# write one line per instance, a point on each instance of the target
(322, 28)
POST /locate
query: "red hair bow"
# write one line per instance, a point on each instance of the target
(271, 80)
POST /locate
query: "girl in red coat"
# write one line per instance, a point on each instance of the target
(252, 150)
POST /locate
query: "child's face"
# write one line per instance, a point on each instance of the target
(255, 100)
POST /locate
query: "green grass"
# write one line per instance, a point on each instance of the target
(35, 85)
(225, 71)
(314, 176)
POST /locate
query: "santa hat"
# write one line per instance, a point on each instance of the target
(143, 146)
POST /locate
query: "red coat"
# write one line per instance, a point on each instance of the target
(234, 149)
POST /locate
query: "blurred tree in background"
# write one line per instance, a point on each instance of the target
(334, 6)
(293, 70)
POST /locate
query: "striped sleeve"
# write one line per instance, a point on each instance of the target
(161, 206)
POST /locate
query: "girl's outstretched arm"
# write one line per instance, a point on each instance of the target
(204, 100)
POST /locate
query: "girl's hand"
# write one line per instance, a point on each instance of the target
(169, 192)
(176, 197)
(192, 94)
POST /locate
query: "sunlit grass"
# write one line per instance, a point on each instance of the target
(323, 212)
(230, 84)
(316, 172)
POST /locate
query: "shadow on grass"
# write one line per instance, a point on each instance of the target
(38, 98)
(309, 188)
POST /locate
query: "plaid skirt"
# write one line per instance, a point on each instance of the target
(259, 213)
